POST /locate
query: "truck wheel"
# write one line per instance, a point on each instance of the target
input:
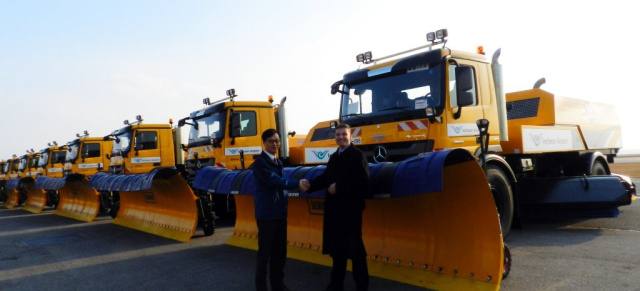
(206, 215)
(115, 204)
(598, 168)
(209, 226)
(507, 262)
(502, 196)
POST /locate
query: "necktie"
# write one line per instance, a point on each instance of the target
(275, 160)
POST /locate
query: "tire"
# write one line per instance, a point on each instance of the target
(502, 196)
(206, 215)
(209, 226)
(115, 204)
(105, 202)
(506, 262)
(598, 168)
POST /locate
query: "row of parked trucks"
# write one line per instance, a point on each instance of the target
(455, 165)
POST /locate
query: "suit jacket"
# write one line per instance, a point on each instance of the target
(342, 229)
(269, 198)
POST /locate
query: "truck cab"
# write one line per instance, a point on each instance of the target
(139, 148)
(13, 165)
(51, 162)
(4, 169)
(28, 166)
(420, 103)
(86, 155)
(227, 133)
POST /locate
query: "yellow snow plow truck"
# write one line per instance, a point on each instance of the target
(421, 225)
(540, 151)
(82, 158)
(34, 199)
(11, 197)
(51, 164)
(226, 134)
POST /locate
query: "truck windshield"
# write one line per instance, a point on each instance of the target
(210, 130)
(23, 164)
(14, 165)
(122, 144)
(400, 96)
(44, 159)
(72, 153)
(5, 167)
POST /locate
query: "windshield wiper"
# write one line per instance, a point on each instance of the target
(394, 108)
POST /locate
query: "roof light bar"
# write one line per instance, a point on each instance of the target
(434, 38)
(365, 58)
(138, 120)
(431, 36)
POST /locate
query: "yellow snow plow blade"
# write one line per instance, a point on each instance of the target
(36, 198)
(77, 199)
(160, 203)
(13, 197)
(432, 222)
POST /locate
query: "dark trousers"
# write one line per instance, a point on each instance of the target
(339, 271)
(272, 252)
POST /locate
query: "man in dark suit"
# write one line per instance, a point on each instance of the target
(346, 179)
(271, 213)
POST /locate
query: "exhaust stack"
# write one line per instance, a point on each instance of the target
(500, 97)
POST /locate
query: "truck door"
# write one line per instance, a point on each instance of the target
(90, 158)
(243, 136)
(146, 153)
(461, 129)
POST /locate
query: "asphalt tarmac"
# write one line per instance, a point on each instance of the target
(45, 251)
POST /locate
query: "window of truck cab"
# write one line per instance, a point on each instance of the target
(146, 140)
(207, 129)
(72, 153)
(122, 143)
(91, 150)
(452, 85)
(248, 124)
(402, 94)
(44, 159)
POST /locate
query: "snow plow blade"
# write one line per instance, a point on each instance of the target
(160, 203)
(13, 197)
(77, 200)
(36, 198)
(431, 222)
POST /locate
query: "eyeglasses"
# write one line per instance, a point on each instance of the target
(273, 141)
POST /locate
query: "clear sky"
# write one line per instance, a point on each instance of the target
(69, 66)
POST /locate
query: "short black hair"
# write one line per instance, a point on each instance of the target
(268, 133)
(343, 125)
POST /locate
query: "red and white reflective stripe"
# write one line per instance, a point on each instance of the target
(355, 132)
(208, 148)
(413, 125)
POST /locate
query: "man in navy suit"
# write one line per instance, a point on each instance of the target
(271, 213)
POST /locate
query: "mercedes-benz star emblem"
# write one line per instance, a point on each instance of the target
(379, 154)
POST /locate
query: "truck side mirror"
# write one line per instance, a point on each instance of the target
(464, 84)
(235, 125)
(335, 88)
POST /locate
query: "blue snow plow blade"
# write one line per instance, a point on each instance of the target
(47, 183)
(12, 184)
(128, 182)
(417, 175)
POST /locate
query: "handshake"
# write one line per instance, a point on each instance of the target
(304, 185)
